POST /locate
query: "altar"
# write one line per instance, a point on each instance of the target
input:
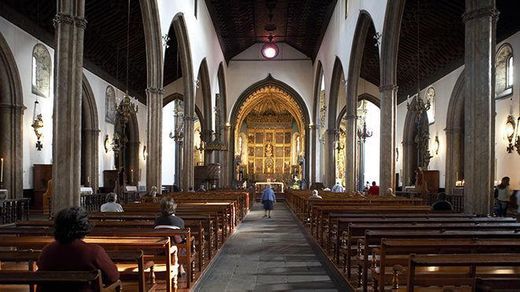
(276, 186)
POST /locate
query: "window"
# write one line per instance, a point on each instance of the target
(509, 72)
(504, 71)
(41, 71)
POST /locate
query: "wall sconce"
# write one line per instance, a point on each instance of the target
(510, 133)
(106, 143)
(37, 125)
(145, 153)
(436, 145)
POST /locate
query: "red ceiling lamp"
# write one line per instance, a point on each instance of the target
(270, 50)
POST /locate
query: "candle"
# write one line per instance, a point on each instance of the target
(1, 170)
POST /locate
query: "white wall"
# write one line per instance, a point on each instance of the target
(507, 164)
(291, 67)
(21, 45)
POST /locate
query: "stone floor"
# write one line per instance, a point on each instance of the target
(269, 255)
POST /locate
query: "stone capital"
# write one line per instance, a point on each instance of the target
(388, 87)
(154, 90)
(484, 12)
(79, 22)
(350, 117)
(312, 127)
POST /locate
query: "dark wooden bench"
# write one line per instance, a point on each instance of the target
(91, 278)
(472, 261)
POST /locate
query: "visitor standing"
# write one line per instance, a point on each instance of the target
(268, 200)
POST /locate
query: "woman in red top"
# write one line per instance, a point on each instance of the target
(374, 189)
(70, 253)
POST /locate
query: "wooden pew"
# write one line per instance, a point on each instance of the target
(373, 239)
(150, 246)
(338, 234)
(91, 278)
(187, 257)
(472, 261)
(395, 252)
(118, 257)
(357, 230)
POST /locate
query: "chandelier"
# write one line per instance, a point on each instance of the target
(178, 120)
(363, 133)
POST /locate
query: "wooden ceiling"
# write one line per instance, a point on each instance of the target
(105, 37)
(242, 23)
(434, 28)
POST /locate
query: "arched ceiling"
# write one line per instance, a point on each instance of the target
(270, 100)
(105, 37)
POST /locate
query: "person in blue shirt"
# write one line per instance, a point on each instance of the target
(268, 200)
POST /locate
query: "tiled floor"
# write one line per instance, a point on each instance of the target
(268, 255)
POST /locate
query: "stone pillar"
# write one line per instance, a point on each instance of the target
(387, 143)
(11, 148)
(70, 25)
(350, 149)
(90, 167)
(330, 158)
(454, 140)
(312, 165)
(227, 161)
(188, 163)
(479, 105)
(154, 98)
(178, 162)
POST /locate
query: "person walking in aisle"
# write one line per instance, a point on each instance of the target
(268, 200)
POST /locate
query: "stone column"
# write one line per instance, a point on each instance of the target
(178, 162)
(154, 97)
(11, 116)
(227, 160)
(90, 168)
(453, 138)
(70, 25)
(350, 148)
(330, 158)
(387, 143)
(188, 163)
(312, 165)
(479, 105)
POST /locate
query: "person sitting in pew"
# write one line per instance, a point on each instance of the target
(442, 204)
(151, 197)
(374, 189)
(315, 195)
(168, 218)
(70, 253)
(111, 205)
(502, 196)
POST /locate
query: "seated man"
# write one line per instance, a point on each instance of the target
(70, 253)
(111, 205)
(374, 189)
(315, 195)
(442, 204)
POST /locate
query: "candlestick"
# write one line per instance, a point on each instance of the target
(1, 170)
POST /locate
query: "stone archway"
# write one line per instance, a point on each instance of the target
(298, 104)
(89, 137)
(11, 111)
(205, 91)
(455, 135)
(388, 89)
(314, 148)
(333, 132)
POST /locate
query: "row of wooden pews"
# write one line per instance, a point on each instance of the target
(395, 243)
(136, 247)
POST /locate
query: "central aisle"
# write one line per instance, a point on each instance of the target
(269, 254)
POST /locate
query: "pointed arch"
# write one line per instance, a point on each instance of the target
(204, 84)
(181, 32)
(270, 81)
(335, 84)
(89, 137)
(455, 135)
(313, 128)
(11, 111)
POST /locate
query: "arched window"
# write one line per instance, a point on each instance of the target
(504, 71)
(41, 70)
(509, 72)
